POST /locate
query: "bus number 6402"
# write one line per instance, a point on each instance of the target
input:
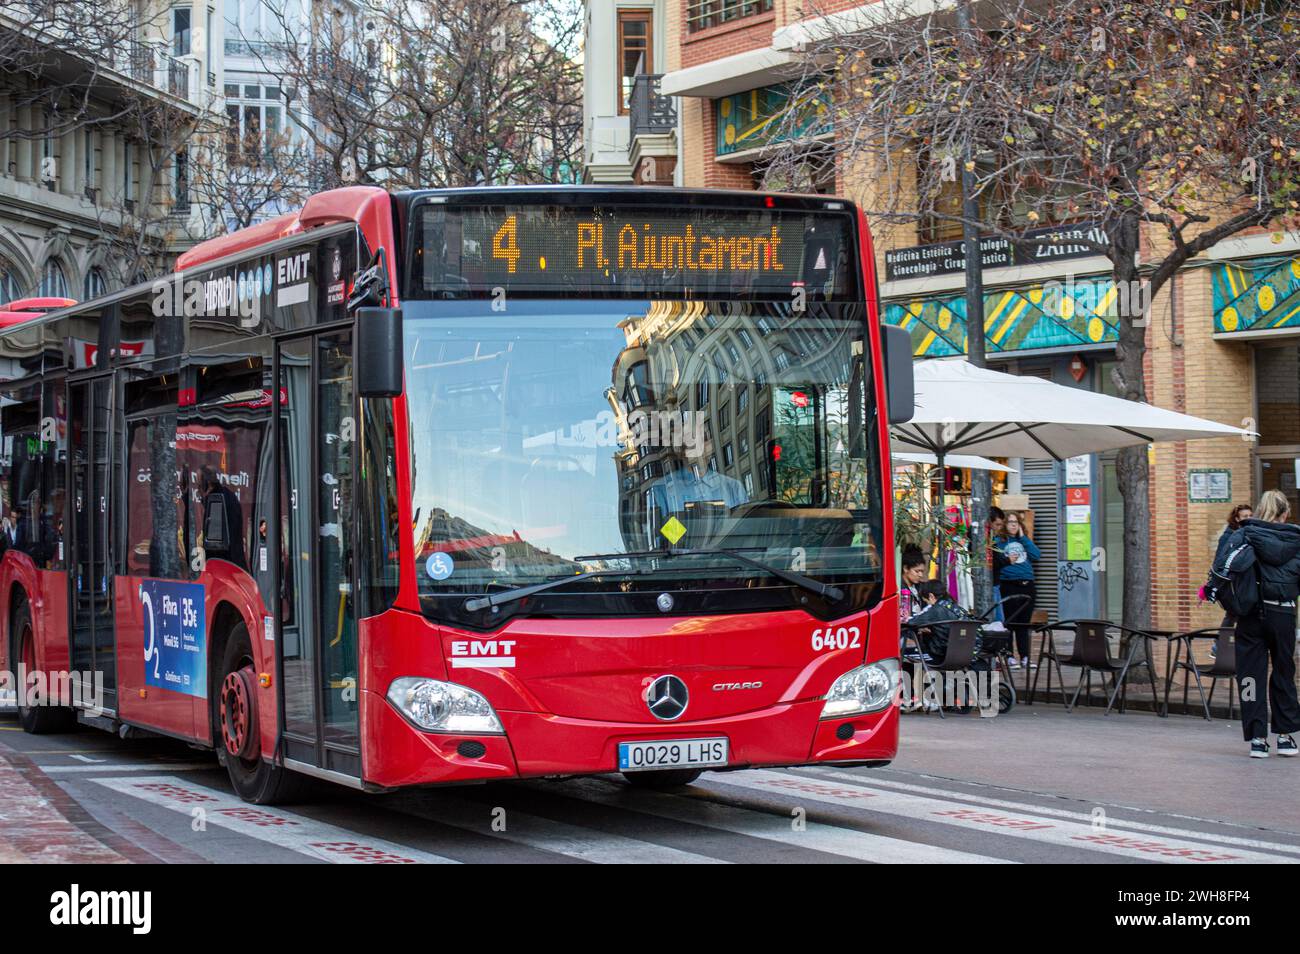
(845, 637)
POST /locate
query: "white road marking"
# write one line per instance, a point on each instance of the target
(1115, 823)
(127, 767)
(296, 832)
(954, 810)
(846, 842)
(558, 837)
(87, 759)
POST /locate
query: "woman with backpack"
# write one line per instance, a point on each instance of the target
(1240, 513)
(1268, 634)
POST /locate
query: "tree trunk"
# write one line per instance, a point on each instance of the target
(1131, 466)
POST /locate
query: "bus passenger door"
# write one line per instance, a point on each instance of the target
(90, 412)
(317, 638)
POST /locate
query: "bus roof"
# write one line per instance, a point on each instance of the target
(25, 309)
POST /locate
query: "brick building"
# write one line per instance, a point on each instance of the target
(1224, 336)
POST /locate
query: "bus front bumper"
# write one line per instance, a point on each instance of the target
(537, 744)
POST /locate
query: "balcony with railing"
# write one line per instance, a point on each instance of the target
(703, 14)
(345, 76)
(651, 112)
(652, 122)
(148, 62)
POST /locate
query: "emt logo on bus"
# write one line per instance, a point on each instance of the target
(291, 279)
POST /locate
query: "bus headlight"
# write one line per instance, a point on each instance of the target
(437, 706)
(864, 689)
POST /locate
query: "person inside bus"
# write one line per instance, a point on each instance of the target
(9, 531)
(686, 484)
(223, 521)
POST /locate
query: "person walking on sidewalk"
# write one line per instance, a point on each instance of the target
(1239, 513)
(1269, 635)
(1015, 555)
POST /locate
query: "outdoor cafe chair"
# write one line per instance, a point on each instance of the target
(1093, 650)
(1051, 656)
(960, 654)
(1223, 666)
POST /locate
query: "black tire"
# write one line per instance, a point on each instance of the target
(254, 779)
(1006, 698)
(664, 780)
(37, 720)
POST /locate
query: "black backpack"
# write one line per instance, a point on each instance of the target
(1234, 581)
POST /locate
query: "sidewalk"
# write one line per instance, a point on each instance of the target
(40, 823)
(1180, 764)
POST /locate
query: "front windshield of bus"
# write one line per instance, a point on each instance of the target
(550, 437)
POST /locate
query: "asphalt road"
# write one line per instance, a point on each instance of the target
(1037, 785)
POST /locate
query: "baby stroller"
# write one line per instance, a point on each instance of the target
(974, 645)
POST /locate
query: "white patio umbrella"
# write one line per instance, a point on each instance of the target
(961, 408)
(968, 461)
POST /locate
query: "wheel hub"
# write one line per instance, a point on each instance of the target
(239, 713)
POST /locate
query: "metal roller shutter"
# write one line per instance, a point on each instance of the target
(1043, 502)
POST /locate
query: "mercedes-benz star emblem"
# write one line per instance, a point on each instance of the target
(667, 698)
(664, 601)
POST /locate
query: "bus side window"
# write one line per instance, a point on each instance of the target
(54, 442)
(22, 452)
(154, 505)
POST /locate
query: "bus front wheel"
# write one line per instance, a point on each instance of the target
(238, 731)
(45, 718)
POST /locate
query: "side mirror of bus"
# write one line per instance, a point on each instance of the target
(900, 387)
(379, 352)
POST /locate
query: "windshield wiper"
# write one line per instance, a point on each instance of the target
(523, 592)
(832, 593)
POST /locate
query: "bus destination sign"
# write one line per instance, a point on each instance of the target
(634, 252)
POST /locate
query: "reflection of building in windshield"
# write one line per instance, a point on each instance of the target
(693, 395)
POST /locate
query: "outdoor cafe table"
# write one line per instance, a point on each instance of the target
(1149, 635)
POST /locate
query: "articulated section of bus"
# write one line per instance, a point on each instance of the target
(649, 524)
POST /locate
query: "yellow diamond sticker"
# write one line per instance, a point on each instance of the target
(673, 530)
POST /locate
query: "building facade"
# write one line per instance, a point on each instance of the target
(97, 189)
(629, 125)
(1223, 338)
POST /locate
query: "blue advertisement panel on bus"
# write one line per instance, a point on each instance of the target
(175, 644)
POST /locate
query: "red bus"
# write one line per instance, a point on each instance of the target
(440, 486)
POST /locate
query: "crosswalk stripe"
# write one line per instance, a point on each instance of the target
(1116, 823)
(961, 813)
(297, 833)
(127, 767)
(830, 839)
(558, 837)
